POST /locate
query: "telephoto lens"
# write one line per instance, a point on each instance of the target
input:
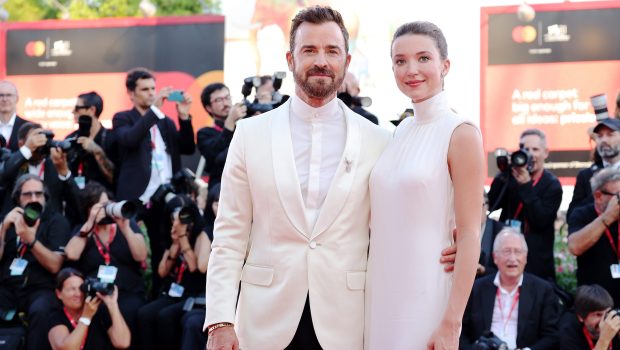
(122, 209)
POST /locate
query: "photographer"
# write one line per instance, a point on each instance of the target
(110, 248)
(351, 89)
(182, 278)
(593, 234)
(213, 141)
(593, 325)
(519, 308)
(607, 138)
(32, 238)
(81, 324)
(530, 202)
(93, 159)
(38, 157)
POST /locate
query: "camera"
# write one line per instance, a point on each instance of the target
(122, 209)
(92, 286)
(64, 145)
(181, 183)
(505, 160)
(490, 341)
(32, 213)
(277, 99)
(354, 101)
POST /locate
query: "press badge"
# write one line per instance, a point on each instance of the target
(158, 160)
(80, 181)
(516, 224)
(18, 266)
(107, 273)
(176, 290)
(615, 270)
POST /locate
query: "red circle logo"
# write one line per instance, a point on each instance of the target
(35, 48)
(524, 34)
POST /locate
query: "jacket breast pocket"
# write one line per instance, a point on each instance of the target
(356, 280)
(258, 275)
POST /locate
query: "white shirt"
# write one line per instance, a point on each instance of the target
(506, 329)
(161, 163)
(318, 136)
(7, 128)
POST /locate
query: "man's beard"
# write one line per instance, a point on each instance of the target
(608, 151)
(319, 89)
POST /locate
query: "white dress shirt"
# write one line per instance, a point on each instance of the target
(502, 325)
(318, 136)
(7, 128)
(161, 163)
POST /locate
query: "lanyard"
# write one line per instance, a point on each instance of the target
(512, 307)
(153, 135)
(520, 207)
(74, 324)
(217, 128)
(104, 251)
(80, 168)
(22, 250)
(181, 269)
(610, 238)
(42, 171)
(589, 338)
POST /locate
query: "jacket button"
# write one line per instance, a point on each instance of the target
(312, 245)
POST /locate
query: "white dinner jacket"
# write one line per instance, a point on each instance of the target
(261, 238)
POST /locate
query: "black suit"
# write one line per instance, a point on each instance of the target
(537, 319)
(12, 141)
(134, 142)
(213, 145)
(582, 194)
(540, 208)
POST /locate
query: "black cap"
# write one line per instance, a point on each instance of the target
(612, 123)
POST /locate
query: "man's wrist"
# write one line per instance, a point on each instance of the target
(215, 326)
(84, 320)
(32, 243)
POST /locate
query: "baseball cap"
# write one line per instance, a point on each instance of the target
(612, 123)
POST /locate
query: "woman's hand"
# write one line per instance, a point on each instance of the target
(446, 336)
(96, 213)
(91, 304)
(110, 299)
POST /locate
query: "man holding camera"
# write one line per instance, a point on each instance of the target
(349, 91)
(594, 325)
(530, 202)
(607, 138)
(213, 141)
(593, 234)
(150, 147)
(519, 308)
(32, 240)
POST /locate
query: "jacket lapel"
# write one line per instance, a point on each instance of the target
(526, 301)
(285, 171)
(345, 174)
(488, 303)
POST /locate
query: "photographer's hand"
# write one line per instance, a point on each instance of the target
(521, 175)
(35, 139)
(612, 212)
(59, 158)
(183, 107)
(109, 300)
(91, 304)
(162, 95)
(88, 144)
(237, 111)
(609, 326)
(26, 233)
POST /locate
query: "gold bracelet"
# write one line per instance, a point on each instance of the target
(215, 326)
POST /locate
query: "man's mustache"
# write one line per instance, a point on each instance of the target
(320, 71)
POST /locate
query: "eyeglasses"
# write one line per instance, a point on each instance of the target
(6, 95)
(221, 99)
(36, 194)
(507, 252)
(609, 193)
(77, 108)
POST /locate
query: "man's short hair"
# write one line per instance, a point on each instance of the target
(591, 298)
(92, 99)
(603, 177)
(25, 128)
(205, 96)
(536, 132)
(318, 15)
(507, 232)
(136, 74)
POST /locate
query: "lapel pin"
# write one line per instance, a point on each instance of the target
(348, 162)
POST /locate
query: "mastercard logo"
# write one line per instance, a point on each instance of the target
(35, 48)
(524, 34)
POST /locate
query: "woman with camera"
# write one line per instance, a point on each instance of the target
(79, 325)
(183, 281)
(110, 248)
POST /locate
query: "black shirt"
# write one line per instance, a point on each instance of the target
(192, 282)
(97, 337)
(77, 158)
(593, 264)
(572, 337)
(213, 145)
(129, 274)
(53, 233)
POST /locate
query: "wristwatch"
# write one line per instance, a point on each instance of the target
(85, 321)
(31, 244)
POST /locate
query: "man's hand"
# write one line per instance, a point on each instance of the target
(521, 174)
(184, 106)
(35, 139)
(12, 216)
(609, 325)
(88, 144)
(162, 95)
(59, 158)
(237, 111)
(612, 212)
(223, 338)
(26, 233)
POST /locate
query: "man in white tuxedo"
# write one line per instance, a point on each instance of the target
(292, 223)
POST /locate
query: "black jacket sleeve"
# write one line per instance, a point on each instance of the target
(541, 209)
(186, 135)
(130, 134)
(212, 142)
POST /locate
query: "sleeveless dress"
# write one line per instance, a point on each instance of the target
(412, 218)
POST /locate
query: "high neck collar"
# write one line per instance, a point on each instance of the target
(430, 109)
(306, 112)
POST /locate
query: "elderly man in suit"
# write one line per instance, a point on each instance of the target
(519, 308)
(10, 122)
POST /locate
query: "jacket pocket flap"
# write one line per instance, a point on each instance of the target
(356, 280)
(258, 275)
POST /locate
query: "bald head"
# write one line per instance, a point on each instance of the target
(8, 99)
(350, 85)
